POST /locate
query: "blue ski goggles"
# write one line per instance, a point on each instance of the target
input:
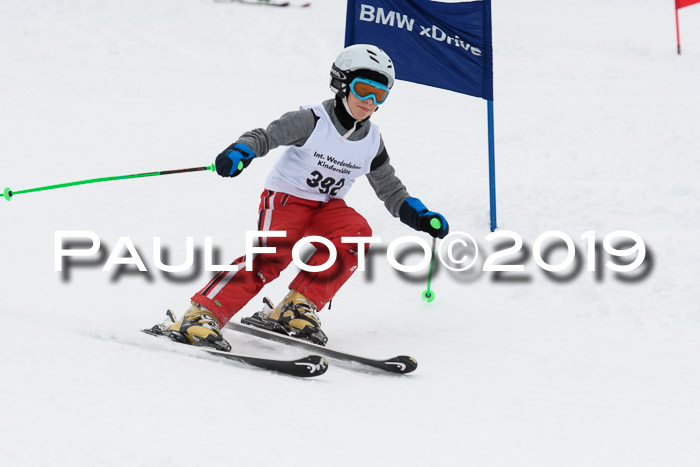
(364, 89)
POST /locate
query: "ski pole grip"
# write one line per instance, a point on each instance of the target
(435, 223)
(7, 193)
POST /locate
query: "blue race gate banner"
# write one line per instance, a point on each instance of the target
(445, 45)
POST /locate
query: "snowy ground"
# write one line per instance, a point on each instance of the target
(597, 122)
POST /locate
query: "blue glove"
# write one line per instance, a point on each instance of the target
(233, 160)
(414, 214)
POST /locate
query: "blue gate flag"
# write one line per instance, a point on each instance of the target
(444, 45)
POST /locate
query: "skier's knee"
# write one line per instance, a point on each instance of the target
(364, 230)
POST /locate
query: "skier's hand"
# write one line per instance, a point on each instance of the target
(233, 160)
(434, 223)
(414, 214)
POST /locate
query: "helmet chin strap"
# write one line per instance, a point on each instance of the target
(347, 106)
(356, 121)
(344, 99)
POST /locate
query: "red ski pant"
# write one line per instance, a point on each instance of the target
(228, 292)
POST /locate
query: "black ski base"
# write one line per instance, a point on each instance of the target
(402, 364)
(312, 365)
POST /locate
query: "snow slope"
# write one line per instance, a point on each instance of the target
(596, 121)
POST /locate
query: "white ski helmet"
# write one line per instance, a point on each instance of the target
(365, 60)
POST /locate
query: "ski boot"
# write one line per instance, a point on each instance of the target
(295, 316)
(198, 326)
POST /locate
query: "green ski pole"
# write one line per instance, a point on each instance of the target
(8, 193)
(429, 295)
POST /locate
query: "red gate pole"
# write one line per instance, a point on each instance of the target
(678, 33)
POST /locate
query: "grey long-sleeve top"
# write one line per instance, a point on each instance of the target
(295, 128)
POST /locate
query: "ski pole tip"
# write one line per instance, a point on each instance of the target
(7, 193)
(428, 296)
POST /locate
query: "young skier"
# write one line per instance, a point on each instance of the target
(329, 146)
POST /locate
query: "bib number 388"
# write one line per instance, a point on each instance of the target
(328, 185)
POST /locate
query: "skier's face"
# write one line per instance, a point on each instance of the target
(361, 109)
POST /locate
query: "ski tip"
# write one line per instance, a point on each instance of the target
(402, 364)
(313, 365)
